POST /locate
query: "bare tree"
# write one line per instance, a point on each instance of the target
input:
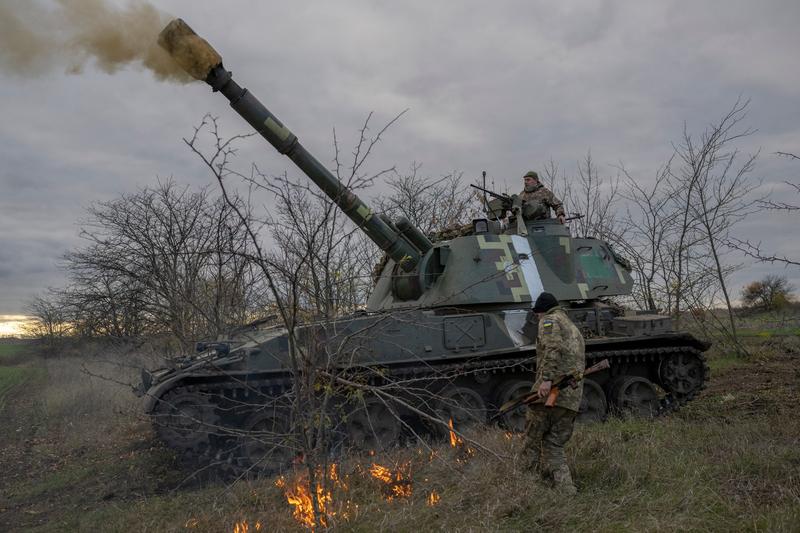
(649, 223)
(755, 249)
(594, 197)
(712, 189)
(431, 204)
(163, 257)
(103, 304)
(49, 323)
(676, 230)
(312, 276)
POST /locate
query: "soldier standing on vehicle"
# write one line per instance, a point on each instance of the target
(560, 350)
(536, 192)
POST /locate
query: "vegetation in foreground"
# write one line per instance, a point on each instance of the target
(77, 456)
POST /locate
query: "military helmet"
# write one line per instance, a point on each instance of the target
(531, 174)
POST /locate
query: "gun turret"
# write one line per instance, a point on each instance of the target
(405, 246)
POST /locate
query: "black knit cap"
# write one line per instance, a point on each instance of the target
(544, 303)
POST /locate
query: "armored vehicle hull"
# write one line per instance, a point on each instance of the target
(448, 330)
(463, 365)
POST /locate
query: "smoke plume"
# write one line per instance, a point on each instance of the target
(68, 35)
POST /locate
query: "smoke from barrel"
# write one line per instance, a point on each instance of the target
(36, 40)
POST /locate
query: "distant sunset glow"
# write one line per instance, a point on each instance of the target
(13, 325)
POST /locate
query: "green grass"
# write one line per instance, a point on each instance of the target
(14, 376)
(8, 351)
(55, 482)
(725, 362)
(768, 333)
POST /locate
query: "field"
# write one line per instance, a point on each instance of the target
(76, 455)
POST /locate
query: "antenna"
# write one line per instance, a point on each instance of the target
(485, 200)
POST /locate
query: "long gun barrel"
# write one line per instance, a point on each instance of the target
(202, 62)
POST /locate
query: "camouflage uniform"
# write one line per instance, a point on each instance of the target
(540, 193)
(560, 350)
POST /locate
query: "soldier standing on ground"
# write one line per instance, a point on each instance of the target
(560, 350)
(535, 191)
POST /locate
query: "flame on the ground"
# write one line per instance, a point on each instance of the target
(464, 451)
(396, 483)
(331, 488)
(455, 440)
(244, 527)
(299, 494)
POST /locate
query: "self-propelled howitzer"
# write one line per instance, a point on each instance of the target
(452, 317)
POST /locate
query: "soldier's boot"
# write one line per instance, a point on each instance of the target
(562, 480)
(531, 460)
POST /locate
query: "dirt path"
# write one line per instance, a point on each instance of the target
(55, 469)
(770, 385)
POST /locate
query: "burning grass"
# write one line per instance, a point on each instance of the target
(325, 496)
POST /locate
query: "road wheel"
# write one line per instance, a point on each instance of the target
(594, 406)
(463, 405)
(265, 445)
(515, 420)
(185, 420)
(372, 426)
(635, 396)
(683, 373)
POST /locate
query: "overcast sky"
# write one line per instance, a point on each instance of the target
(501, 86)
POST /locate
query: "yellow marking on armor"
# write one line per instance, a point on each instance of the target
(506, 264)
(564, 241)
(364, 212)
(584, 288)
(282, 132)
(501, 244)
(619, 273)
(519, 292)
(504, 246)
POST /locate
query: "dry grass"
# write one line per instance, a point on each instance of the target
(729, 461)
(672, 474)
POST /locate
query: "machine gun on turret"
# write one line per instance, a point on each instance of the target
(502, 203)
